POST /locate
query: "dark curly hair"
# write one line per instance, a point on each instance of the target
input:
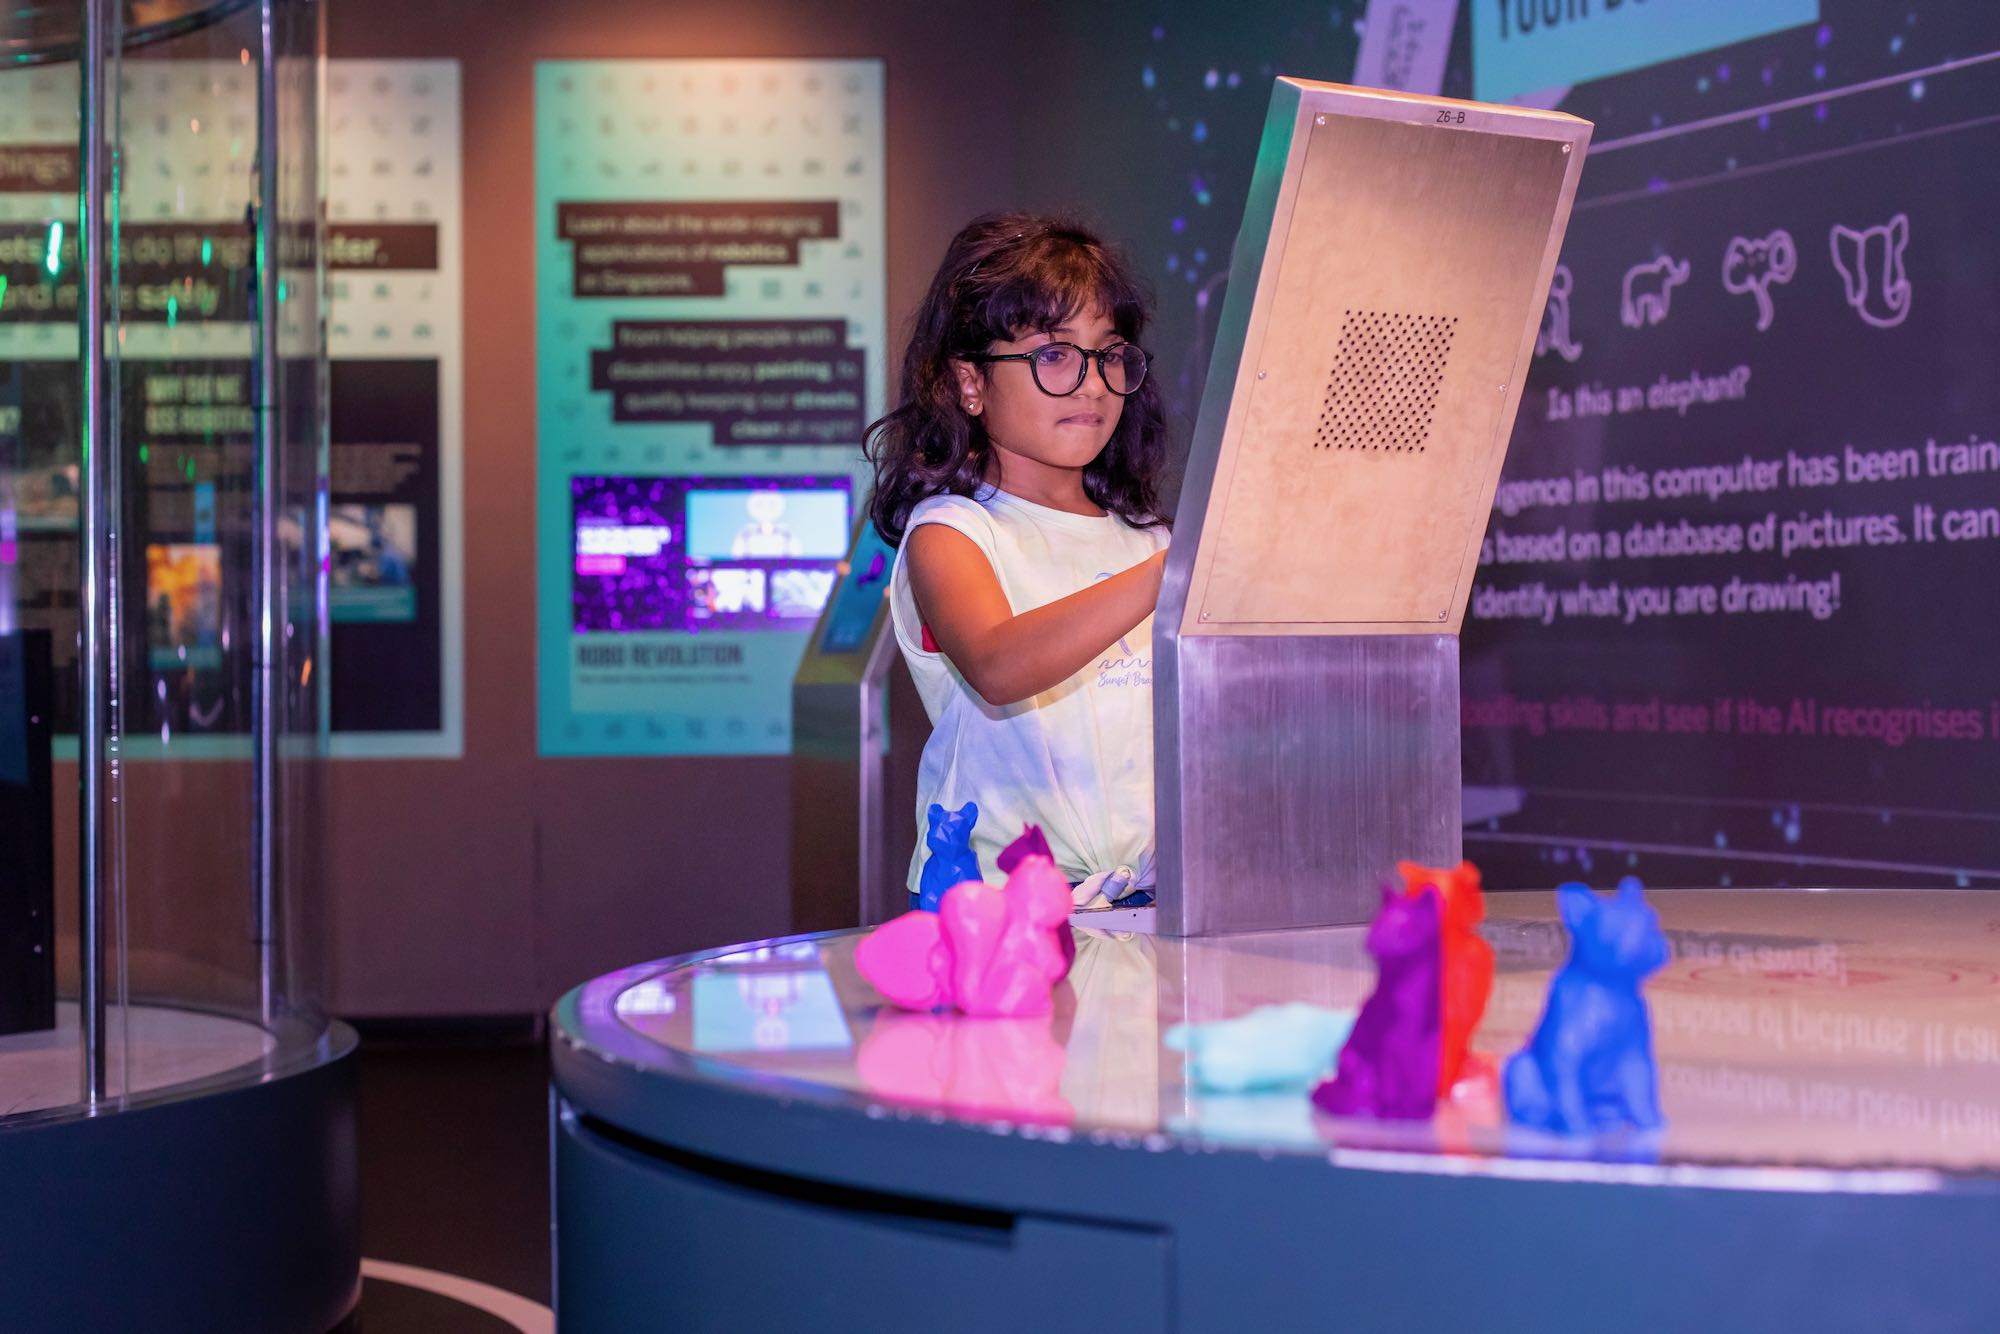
(1006, 275)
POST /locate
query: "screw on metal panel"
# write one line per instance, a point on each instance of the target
(1441, 616)
(1565, 148)
(1319, 120)
(1204, 616)
(1503, 388)
(1262, 374)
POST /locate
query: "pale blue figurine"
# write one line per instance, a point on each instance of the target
(951, 860)
(1271, 1047)
(1589, 1065)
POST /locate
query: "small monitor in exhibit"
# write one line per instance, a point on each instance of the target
(27, 834)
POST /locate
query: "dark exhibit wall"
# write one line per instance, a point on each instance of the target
(1735, 616)
(1773, 315)
(1798, 293)
(1847, 223)
(487, 884)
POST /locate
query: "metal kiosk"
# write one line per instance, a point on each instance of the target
(1387, 286)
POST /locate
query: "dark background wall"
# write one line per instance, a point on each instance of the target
(490, 884)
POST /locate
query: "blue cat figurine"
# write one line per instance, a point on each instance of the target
(951, 860)
(1588, 1066)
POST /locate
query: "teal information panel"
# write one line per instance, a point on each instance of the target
(709, 339)
(1528, 46)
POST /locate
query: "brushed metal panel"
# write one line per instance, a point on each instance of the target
(1297, 770)
(1261, 320)
(1434, 240)
(1384, 297)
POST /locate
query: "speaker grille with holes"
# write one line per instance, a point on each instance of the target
(1383, 390)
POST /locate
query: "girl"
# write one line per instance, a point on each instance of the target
(1019, 481)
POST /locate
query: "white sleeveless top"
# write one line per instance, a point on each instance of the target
(1076, 760)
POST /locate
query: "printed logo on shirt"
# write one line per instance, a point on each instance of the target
(1127, 671)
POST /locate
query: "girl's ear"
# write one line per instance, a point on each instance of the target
(969, 386)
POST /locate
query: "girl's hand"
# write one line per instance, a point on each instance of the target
(1005, 657)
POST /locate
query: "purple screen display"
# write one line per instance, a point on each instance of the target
(631, 564)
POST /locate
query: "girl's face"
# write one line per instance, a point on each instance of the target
(1028, 427)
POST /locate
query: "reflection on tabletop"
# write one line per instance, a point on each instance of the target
(1837, 1029)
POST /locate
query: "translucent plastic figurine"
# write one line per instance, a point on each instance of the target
(906, 960)
(1005, 955)
(1589, 1064)
(951, 861)
(1468, 960)
(989, 950)
(1272, 1047)
(1032, 843)
(1389, 1067)
(1010, 1068)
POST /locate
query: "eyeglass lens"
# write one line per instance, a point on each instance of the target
(1060, 367)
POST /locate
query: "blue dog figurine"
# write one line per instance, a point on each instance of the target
(1589, 1065)
(951, 861)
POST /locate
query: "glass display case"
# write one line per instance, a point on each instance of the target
(162, 598)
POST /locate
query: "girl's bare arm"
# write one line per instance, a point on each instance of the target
(1005, 657)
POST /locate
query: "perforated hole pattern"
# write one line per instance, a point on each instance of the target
(1383, 390)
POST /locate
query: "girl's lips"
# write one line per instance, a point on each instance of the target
(1082, 419)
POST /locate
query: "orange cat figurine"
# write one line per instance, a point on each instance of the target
(1467, 976)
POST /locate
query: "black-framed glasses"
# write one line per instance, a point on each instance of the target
(1059, 368)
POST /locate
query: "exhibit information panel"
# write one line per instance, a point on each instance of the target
(396, 406)
(709, 326)
(1737, 610)
(185, 408)
(1527, 46)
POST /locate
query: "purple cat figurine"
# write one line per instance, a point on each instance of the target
(1589, 1064)
(1032, 843)
(1389, 1067)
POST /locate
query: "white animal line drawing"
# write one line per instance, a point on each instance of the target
(1554, 336)
(1871, 265)
(1752, 266)
(1649, 291)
